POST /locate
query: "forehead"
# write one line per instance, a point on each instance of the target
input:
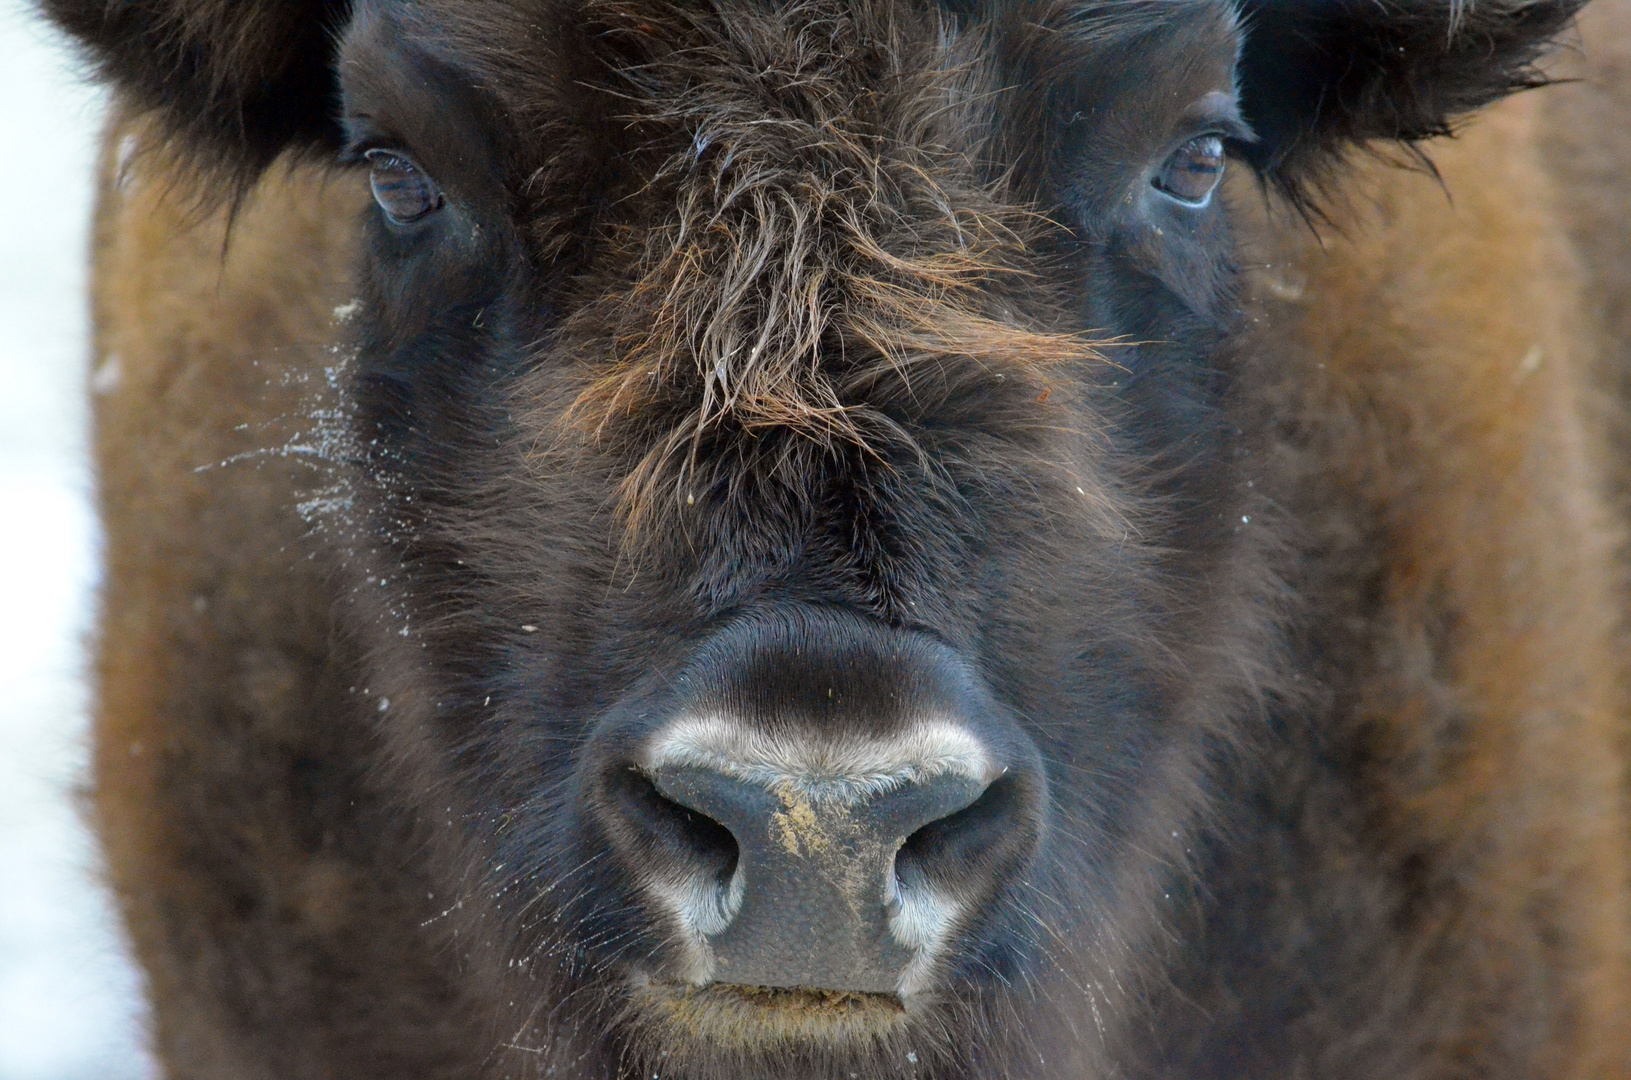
(1120, 69)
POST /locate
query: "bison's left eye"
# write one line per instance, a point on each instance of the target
(402, 190)
(1193, 170)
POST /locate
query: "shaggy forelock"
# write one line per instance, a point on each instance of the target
(818, 232)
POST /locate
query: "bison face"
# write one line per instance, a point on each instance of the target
(808, 515)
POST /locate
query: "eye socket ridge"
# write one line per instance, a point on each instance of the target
(401, 188)
(1191, 173)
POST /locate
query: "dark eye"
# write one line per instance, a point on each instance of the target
(1193, 170)
(401, 189)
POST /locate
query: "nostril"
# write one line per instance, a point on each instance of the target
(685, 839)
(965, 852)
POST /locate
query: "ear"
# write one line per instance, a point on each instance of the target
(1317, 76)
(234, 82)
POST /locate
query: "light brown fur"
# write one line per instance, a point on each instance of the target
(1438, 387)
(251, 853)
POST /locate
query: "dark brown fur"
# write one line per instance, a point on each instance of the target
(1411, 687)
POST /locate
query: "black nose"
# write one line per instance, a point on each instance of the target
(816, 802)
(814, 898)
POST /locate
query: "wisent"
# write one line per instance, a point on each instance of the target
(867, 539)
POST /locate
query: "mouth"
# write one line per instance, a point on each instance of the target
(758, 1018)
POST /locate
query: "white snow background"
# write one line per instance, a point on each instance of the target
(70, 1004)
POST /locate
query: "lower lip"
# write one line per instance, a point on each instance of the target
(749, 1016)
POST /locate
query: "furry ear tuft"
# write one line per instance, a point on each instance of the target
(234, 82)
(1318, 76)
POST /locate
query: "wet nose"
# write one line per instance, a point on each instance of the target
(814, 801)
(814, 899)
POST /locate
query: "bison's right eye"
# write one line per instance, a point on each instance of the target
(402, 190)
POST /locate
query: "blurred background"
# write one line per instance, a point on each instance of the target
(70, 1003)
